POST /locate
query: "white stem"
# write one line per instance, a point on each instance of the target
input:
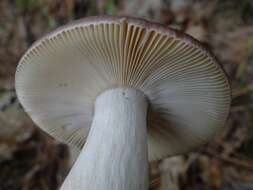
(115, 154)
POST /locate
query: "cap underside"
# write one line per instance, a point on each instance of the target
(60, 76)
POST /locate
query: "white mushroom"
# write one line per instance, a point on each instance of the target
(125, 91)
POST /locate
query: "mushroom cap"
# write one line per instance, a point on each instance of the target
(60, 76)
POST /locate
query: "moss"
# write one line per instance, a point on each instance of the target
(28, 5)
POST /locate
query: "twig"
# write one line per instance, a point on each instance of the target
(234, 161)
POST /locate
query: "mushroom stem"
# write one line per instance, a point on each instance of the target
(115, 155)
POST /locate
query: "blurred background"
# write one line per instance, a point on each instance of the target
(31, 160)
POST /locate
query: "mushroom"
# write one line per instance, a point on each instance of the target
(125, 91)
